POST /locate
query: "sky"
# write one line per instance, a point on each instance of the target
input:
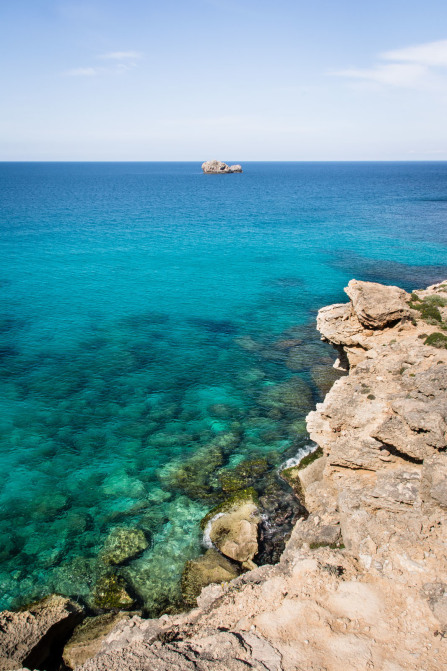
(187, 80)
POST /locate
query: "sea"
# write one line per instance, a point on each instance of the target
(158, 339)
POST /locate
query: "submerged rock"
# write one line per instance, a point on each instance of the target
(123, 543)
(291, 399)
(324, 377)
(210, 568)
(244, 475)
(28, 638)
(111, 594)
(218, 168)
(193, 475)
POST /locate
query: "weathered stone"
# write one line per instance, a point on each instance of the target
(210, 568)
(302, 476)
(28, 638)
(110, 593)
(88, 637)
(235, 532)
(123, 543)
(434, 481)
(218, 168)
(377, 305)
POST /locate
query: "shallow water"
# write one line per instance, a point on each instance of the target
(145, 309)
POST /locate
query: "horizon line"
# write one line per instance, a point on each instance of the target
(363, 160)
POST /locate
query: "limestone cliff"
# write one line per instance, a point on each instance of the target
(362, 583)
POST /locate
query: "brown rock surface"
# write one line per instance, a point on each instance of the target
(218, 168)
(235, 532)
(210, 568)
(88, 637)
(29, 637)
(377, 305)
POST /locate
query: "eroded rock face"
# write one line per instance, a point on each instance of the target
(218, 168)
(88, 637)
(28, 638)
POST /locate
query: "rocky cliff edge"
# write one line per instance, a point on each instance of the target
(362, 583)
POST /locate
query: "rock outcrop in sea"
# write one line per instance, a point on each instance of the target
(218, 168)
(362, 583)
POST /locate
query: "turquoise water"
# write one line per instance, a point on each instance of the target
(145, 309)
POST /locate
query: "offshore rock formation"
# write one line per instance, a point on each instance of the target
(218, 168)
(362, 583)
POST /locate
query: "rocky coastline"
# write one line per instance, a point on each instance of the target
(362, 581)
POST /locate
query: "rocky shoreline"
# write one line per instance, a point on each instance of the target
(362, 582)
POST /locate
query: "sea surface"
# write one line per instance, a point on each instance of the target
(157, 330)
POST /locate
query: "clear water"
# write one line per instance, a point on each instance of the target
(136, 297)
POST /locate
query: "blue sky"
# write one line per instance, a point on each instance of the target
(228, 79)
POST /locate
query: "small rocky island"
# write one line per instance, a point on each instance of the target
(362, 582)
(218, 168)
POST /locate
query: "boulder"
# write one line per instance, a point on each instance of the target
(111, 594)
(210, 568)
(377, 305)
(218, 168)
(123, 543)
(28, 638)
(235, 532)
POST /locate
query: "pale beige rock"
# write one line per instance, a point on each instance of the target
(376, 305)
(218, 168)
(88, 637)
(27, 638)
(235, 533)
(211, 567)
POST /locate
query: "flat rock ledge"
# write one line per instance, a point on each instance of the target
(218, 168)
(362, 583)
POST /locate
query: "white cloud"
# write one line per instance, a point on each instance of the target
(122, 56)
(418, 66)
(395, 74)
(430, 54)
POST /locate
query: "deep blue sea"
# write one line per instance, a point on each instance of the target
(154, 318)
